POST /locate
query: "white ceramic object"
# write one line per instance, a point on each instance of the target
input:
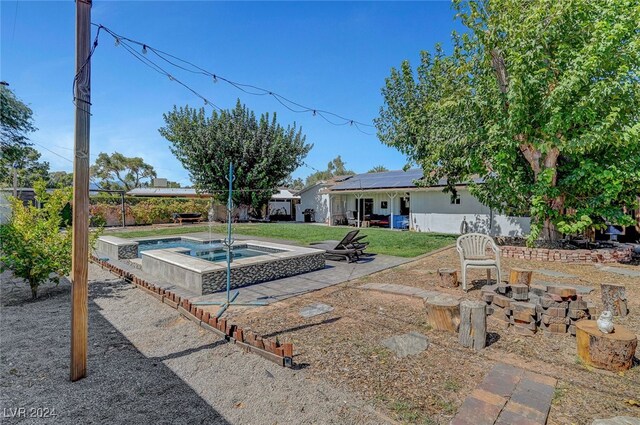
(605, 322)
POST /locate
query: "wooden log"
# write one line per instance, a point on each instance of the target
(613, 351)
(614, 298)
(473, 324)
(448, 278)
(520, 276)
(443, 313)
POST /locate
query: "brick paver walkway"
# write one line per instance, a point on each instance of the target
(508, 396)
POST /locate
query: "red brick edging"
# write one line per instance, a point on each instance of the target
(567, 255)
(279, 353)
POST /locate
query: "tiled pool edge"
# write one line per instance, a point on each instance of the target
(117, 248)
(204, 277)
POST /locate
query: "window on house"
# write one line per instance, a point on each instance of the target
(455, 200)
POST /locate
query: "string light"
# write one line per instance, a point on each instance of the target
(185, 65)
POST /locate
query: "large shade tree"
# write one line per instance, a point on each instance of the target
(25, 161)
(16, 122)
(263, 152)
(117, 171)
(541, 98)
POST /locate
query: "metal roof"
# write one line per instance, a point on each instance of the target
(284, 194)
(191, 192)
(164, 191)
(398, 179)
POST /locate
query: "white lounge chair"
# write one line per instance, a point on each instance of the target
(473, 249)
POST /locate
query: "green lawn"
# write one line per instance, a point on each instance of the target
(382, 241)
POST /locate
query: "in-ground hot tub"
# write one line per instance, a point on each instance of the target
(200, 265)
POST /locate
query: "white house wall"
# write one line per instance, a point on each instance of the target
(378, 198)
(315, 200)
(432, 211)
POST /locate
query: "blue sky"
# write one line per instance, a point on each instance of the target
(328, 55)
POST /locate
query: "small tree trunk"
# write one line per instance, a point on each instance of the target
(448, 278)
(517, 275)
(473, 324)
(614, 298)
(34, 289)
(549, 231)
(443, 313)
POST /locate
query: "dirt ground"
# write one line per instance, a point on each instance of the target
(147, 365)
(344, 346)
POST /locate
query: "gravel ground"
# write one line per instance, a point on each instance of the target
(346, 347)
(148, 365)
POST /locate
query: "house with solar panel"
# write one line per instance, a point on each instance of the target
(391, 199)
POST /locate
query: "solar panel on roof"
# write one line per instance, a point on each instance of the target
(388, 179)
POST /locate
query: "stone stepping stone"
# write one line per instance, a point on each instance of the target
(554, 273)
(315, 309)
(620, 271)
(617, 420)
(407, 344)
(582, 290)
(409, 291)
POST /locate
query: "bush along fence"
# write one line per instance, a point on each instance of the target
(272, 350)
(107, 211)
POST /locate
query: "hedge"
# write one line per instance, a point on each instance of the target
(108, 210)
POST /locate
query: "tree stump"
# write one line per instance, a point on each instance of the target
(473, 324)
(443, 313)
(448, 278)
(613, 351)
(520, 276)
(614, 298)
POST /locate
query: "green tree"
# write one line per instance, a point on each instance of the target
(293, 184)
(335, 167)
(28, 167)
(117, 171)
(541, 99)
(33, 247)
(378, 169)
(262, 151)
(59, 179)
(16, 121)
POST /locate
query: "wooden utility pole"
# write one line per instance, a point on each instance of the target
(80, 250)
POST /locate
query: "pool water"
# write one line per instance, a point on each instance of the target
(213, 251)
(221, 255)
(193, 246)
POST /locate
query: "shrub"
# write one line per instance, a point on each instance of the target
(35, 245)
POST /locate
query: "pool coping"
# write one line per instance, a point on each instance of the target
(176, 256)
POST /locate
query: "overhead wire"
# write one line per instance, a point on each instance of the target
(188, 66)
(66, 159)
(94, 182)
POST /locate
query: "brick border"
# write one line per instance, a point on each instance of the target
(567, 255)
(274, 351)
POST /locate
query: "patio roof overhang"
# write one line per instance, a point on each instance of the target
(388, 190)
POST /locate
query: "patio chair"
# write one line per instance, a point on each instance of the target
(334, 251)
(346, 248)
(472, 248)
(351, 218)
